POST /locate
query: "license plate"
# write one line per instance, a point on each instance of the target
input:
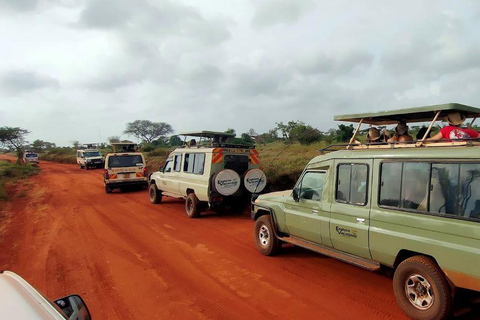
(126, 175)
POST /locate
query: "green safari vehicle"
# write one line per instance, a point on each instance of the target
(413, 207)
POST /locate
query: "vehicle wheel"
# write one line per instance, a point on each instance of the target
(265, 240)
(192, 206)
(86, 167)
(108, 190)
(81, 167)
(154, 194)
(421, 289)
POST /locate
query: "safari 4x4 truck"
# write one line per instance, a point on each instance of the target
(209, 174)
(412, 207)
(124, 167)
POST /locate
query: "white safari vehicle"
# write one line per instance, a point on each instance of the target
(125, 167)
(88, 156)
(210, 173)
(20, 301)
(30, 157)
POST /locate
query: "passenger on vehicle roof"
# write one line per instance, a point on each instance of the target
(374, 136)
(401, 133)
(192, 143)
(453, 131)
(422, 132)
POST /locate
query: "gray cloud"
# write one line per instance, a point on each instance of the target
(272, 12)
(314, 62)
(24, 81)
(19, 5)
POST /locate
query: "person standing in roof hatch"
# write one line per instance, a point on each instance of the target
(453, 131)
(401, 133)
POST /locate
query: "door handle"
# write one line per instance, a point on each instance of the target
(315, 211)
(360, 220)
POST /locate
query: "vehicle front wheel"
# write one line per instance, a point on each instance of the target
(265, 239)
(108, 190)
(154, 194)
(192, 206)
(421, 289)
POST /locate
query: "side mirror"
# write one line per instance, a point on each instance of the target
(295, 195)
(74, 307)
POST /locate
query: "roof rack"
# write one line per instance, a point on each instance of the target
(83, 146)
(212, 139)
(124, 147)
(402, 145)
(417, 114)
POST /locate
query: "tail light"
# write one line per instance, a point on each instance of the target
(105, 174)
(144, 172)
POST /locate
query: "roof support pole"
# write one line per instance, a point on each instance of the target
(355, 133)
(471, 123)
(429, 128)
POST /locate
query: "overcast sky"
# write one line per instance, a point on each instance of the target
(81, 69)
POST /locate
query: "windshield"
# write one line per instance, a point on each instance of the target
(125, 161)
(92, 154)
(31, 155)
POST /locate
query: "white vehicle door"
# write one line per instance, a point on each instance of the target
(169, 178)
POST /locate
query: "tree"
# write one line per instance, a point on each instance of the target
(147, 130)
(13, 138)
(344, 133)
(305, 134)
(175, 141)
(40, 145)
(287, 129)
(113, 139)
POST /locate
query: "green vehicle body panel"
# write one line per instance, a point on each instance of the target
(386, 232)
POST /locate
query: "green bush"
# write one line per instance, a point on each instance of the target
(11, 172)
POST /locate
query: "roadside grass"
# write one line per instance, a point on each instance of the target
(61, 155)
(12, 172)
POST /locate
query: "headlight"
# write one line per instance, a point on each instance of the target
(88, 160)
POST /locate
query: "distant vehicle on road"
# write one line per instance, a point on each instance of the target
(209, 174)
(30, 157)
(19, 300)
(88, 156)
(125, 167)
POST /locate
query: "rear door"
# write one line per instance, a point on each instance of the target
(126, 166)
(350, 210)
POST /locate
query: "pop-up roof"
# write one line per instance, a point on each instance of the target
(208, 134)
(417, 114)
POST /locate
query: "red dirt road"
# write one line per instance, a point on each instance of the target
(130, 259)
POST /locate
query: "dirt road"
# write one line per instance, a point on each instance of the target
(130, 259)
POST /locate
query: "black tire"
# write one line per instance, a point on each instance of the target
(86, 166)
(108, 190)
(265, 239)
(154, 194)
(421, 289)
(192, 206)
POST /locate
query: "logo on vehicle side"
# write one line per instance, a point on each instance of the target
(346, 232)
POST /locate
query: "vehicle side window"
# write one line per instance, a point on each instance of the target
(168, 166)
(352, 183)
(178, 163)
(194, 163)
(405, 185)
(311, 186)
(450, 189)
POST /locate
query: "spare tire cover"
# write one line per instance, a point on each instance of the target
(255, 180)
(227, 182)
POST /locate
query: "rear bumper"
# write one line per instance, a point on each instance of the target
(125, 183)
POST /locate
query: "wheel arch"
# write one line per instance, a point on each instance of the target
(404, 254)
(189, 190)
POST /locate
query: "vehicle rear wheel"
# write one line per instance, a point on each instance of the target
(265, 239)
(421, 289)
(154, 194)
(192, 206)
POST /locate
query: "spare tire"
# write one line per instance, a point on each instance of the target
(227, 182)
(255, 180)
